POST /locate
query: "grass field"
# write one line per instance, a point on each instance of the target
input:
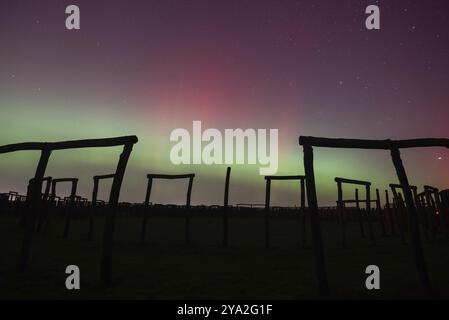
(165, 268)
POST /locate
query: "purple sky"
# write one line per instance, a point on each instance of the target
(147, 67)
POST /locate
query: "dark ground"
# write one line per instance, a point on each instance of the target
(165, 268)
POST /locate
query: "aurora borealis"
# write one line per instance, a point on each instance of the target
(148, 67)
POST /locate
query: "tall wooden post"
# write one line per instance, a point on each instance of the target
(44, 210)
(32, 206)
(317, 240)
(145, 211)
(380, 212)
(369, 215)
(430, 211)
(415, 237)
(399, 213)
(225, 209)
(303, 213)
(445, 210)
(267, 213)
(69, 209)
(108, 235)
(189, 195)
(92, 210)
(341, 214)
(389, 213)
(359, 213)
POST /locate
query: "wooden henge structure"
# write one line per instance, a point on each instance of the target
(71, 200)
(394, 147)
(406, 203)
(301, 180)
(341, 204)
(34, 196)
(151, 177)
(94, 203)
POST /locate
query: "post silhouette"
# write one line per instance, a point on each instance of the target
(425, 214)
(315, 228)
(359, 213)
(70, 204)
(225, 209)
(379, 212)
(341, 213)
(432, 195)
(341, 206)
(400, 208)
(389, 212)
(108, 234)
(43, 212)
(267, 212)
(93, 207)
(33, 203)
(415, 237)
(303, 212)
(444, 195)
(370, 215)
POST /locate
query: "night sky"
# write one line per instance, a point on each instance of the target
(148, 67)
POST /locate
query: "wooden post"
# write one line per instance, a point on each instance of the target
(92, 210)
(267, 213)
(430, 210)
(43, 212)
(303, 213)
(422, 209)
(341, 214)
(399, 210)
(380, 212)
(402, 215)
(47, 187)
(445, 210)
(359, 213)
(317, 240)
(439, 219)
(145, 211)
(189, 195)
(369, 215)
(437, 214)
(108, 235)
(69, 209)
(32, 206)
(390, 213)
(415, 237)
(55, 204)
(225, 209)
